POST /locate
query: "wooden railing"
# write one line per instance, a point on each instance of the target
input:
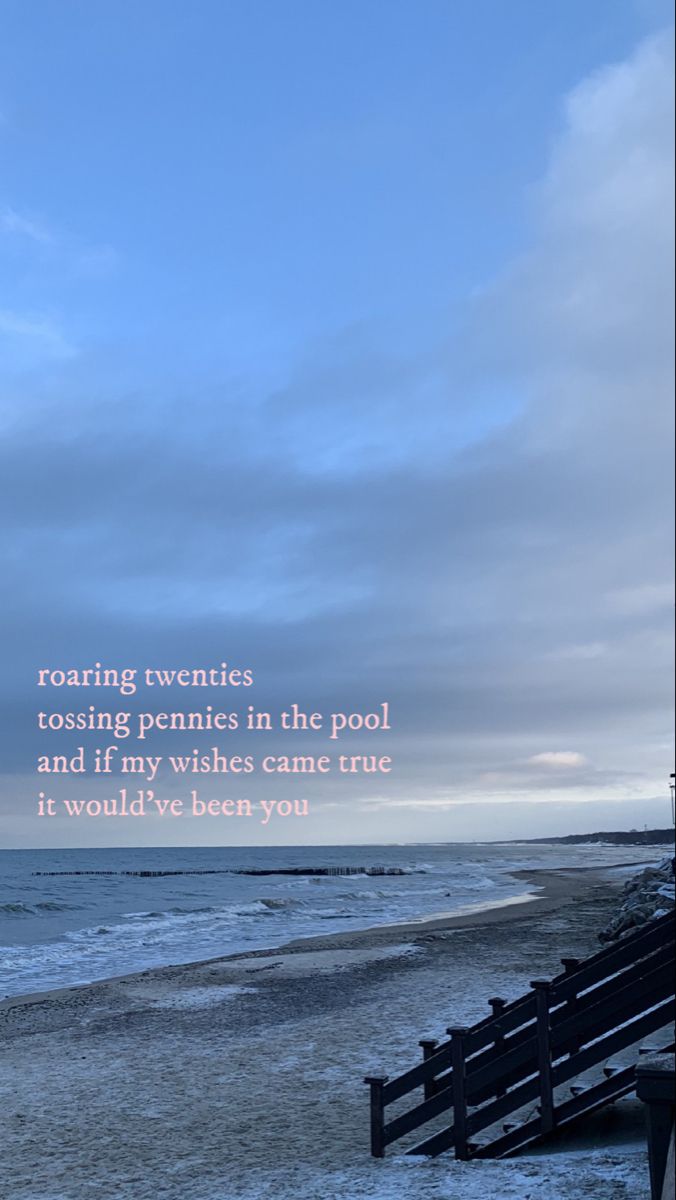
(526, 1049)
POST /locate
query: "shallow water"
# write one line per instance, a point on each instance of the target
(60, 930)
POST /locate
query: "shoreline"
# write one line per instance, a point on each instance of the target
(242, 1075)
(551, 885)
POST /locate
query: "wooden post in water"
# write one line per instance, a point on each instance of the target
(377, 1083)
(429, 1046)
(459, 1092)
(544, 1050)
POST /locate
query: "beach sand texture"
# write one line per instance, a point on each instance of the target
(241, 1077)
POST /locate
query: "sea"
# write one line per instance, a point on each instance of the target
(69, 917)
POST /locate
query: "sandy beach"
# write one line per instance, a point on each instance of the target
(241, 1077)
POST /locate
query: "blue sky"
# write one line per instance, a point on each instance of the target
(276, 171)
(332, 333)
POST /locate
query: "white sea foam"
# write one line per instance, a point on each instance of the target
(68, 929)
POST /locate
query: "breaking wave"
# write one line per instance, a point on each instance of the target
(19, 908)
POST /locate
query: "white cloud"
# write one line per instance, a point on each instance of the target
(558, 759)
(642, 599)
(69, 253)
(13, 222)
(585, 319)
(39, 333)
(579, 653)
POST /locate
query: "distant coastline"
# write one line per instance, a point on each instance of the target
(633, 837)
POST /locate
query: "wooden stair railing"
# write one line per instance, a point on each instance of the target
(526, 1049)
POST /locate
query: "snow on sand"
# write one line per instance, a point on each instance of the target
(241, 1079)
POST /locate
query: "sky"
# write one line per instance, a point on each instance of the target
(336, 343)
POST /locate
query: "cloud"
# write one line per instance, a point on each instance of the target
(558, 759)
(54, 256)
(14, 223)
(40, 334)
(642, 598)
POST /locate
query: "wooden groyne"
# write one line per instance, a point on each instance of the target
(243, 871)
(323, 871)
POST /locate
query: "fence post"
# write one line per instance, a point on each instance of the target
(570, 965)
(498, 1005)
(459, 1092)
(542, 989)
(428, 1046)
(655, 1087)
(377, 1084)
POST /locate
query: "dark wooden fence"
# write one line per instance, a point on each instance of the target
(525, 1050)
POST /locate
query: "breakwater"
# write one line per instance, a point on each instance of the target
(243, 871)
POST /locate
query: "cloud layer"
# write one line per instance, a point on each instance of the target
(479, 533)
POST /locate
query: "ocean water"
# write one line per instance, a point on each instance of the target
(59, 930)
